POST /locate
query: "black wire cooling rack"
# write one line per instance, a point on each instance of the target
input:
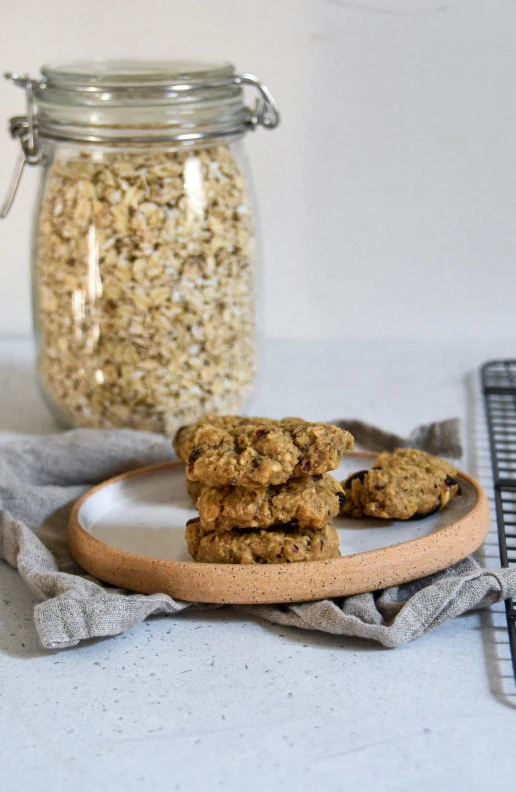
(499, 388)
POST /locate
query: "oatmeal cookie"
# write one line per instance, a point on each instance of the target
(184, 438)
(259, 454)
(308, 501)
(276, 546)
(407, 484)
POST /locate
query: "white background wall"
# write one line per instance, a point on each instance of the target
(387, 196)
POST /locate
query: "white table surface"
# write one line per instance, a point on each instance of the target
(218, 702)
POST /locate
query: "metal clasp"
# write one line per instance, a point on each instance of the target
(25, 130)
(265, 112)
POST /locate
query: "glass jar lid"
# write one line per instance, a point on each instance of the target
(151, 100)
(135, 102)
(126, 74)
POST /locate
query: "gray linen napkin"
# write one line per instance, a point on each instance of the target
(41, 477)
(440, 437)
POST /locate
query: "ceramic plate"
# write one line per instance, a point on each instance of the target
(129, 531)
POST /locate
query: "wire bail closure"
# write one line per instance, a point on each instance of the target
(266, 113)
(25, 128)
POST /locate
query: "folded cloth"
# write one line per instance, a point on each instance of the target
(441, 437)
(40, 478)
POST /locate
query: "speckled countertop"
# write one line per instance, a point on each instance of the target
(216, 702)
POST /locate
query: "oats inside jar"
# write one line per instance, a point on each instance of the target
(145, 287)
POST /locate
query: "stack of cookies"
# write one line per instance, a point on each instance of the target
(262, 488)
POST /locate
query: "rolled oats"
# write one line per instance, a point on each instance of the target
(144, 287)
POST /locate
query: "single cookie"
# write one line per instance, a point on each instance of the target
(256, 455)
(184, 439)
(277, 546)
(407, 484)
(309, 501)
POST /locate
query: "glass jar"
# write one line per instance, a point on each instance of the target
(144, 244)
